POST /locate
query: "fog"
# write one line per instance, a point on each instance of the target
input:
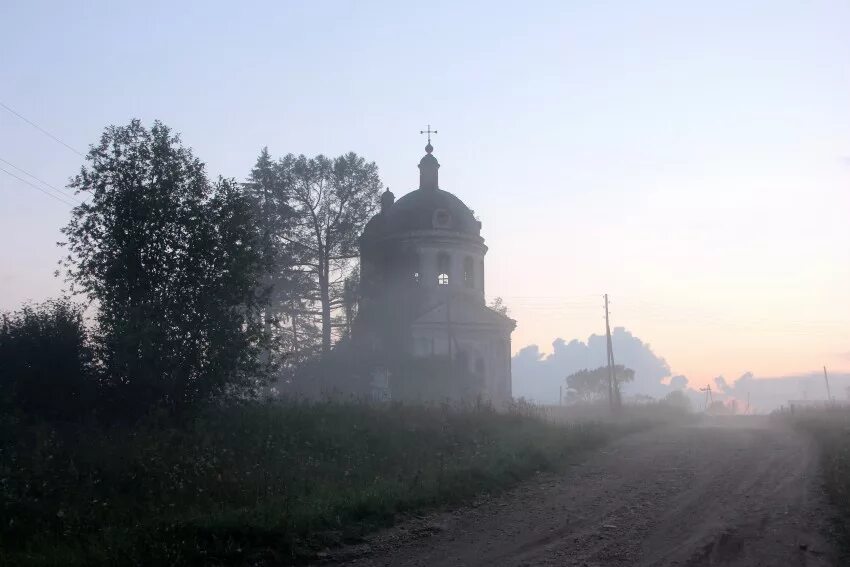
(537, 376)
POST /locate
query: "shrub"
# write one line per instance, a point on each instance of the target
(46, 365)
(677, 399)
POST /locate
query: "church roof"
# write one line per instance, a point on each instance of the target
(426, 208)
(463, 312)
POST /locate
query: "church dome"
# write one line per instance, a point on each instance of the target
(427, 208)
(435, 209)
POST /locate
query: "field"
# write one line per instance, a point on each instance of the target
(260, 483)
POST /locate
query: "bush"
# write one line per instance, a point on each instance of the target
(678, 399)
(46, 361)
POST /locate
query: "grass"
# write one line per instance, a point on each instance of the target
(830, 427)
(259, 483)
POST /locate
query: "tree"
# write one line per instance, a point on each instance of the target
(172, 262)
(350, 301)
(587, 386)
(498, 305)
(285, 279)
(46, 361)
(332, 199)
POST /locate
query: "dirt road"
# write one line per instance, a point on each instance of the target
(703, 495)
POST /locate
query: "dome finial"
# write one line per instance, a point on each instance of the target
(387, 200)
(428, 148)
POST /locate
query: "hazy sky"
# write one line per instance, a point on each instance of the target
(692, 159)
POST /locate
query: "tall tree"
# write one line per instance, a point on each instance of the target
(332, 199)
(172, 262)
(284, 280)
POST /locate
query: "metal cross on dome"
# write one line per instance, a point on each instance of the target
(429, 132)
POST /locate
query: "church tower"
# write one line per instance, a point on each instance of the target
(422, 289)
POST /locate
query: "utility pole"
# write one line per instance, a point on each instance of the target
(708, 396)
(826, 379)
(613, 388)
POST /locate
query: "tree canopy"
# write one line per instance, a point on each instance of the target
(172, 262)
(592, 385)
(325, 203)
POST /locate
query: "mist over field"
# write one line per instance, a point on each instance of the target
(371, 284)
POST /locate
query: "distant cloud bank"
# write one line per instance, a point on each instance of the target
(538, 377)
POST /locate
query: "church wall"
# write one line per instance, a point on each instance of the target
(429, 254)
(490, 345)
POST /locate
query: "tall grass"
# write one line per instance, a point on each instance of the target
(260, 482)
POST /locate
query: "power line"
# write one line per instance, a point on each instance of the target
(42, 130)
(34, 186)
(42, 181)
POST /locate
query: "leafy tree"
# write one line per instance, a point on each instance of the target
(592, 385)
(332, 200)
(173, 264)
(46, 361)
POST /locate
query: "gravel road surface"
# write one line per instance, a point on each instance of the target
(742, 492)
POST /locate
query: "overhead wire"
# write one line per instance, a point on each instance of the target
(63, 197)
(34, 186)
(40, 129)
(42, 181)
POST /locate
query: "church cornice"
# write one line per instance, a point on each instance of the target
(435, 237)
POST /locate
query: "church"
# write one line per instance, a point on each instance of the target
(422, 293)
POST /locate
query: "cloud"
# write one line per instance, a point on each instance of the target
(539, 377)
(722, 385)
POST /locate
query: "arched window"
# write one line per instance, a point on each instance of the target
(468, 275)
(443, 265)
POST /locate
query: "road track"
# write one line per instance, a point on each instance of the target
(743, 492)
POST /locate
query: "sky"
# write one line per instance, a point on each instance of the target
(690, 159)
